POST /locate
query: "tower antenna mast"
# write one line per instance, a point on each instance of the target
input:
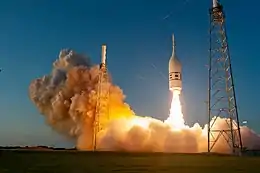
(102, 105)
(221, 90)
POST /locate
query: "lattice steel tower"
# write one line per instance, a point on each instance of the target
(221, 91)
(102, 105)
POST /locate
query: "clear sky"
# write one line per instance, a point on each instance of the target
(139, 46)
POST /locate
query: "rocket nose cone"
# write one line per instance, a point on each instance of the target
(174, 60)
(174, 64)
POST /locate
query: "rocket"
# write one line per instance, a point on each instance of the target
(175, 70)
(103, 57)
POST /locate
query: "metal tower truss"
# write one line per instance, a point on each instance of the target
(221, 91)
(102, 105)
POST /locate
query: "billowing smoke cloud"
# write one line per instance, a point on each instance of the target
(148, 134)
(67, 98)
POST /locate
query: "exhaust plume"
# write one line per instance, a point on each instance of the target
(67, 98)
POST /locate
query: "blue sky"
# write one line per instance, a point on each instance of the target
(33, 32)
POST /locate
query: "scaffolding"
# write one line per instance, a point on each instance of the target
(102, 105)
(221, 90)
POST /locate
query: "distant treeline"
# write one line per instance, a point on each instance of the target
(34, 148)
(251, 152)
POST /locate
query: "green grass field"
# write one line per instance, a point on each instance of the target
(99, 162)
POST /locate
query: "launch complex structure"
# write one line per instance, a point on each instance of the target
(102, 104)
(221, 92)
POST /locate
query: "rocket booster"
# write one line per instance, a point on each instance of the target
(175, 74)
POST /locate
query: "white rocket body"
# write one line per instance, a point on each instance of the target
(175, 70)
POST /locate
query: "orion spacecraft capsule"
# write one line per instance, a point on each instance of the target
(175, 76)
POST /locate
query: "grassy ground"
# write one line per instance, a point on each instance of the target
(89, 162)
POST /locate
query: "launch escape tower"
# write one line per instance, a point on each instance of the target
(221, 91)
(102, 104)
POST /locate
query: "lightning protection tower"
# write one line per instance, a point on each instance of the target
(102, 105)
(221, 91)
